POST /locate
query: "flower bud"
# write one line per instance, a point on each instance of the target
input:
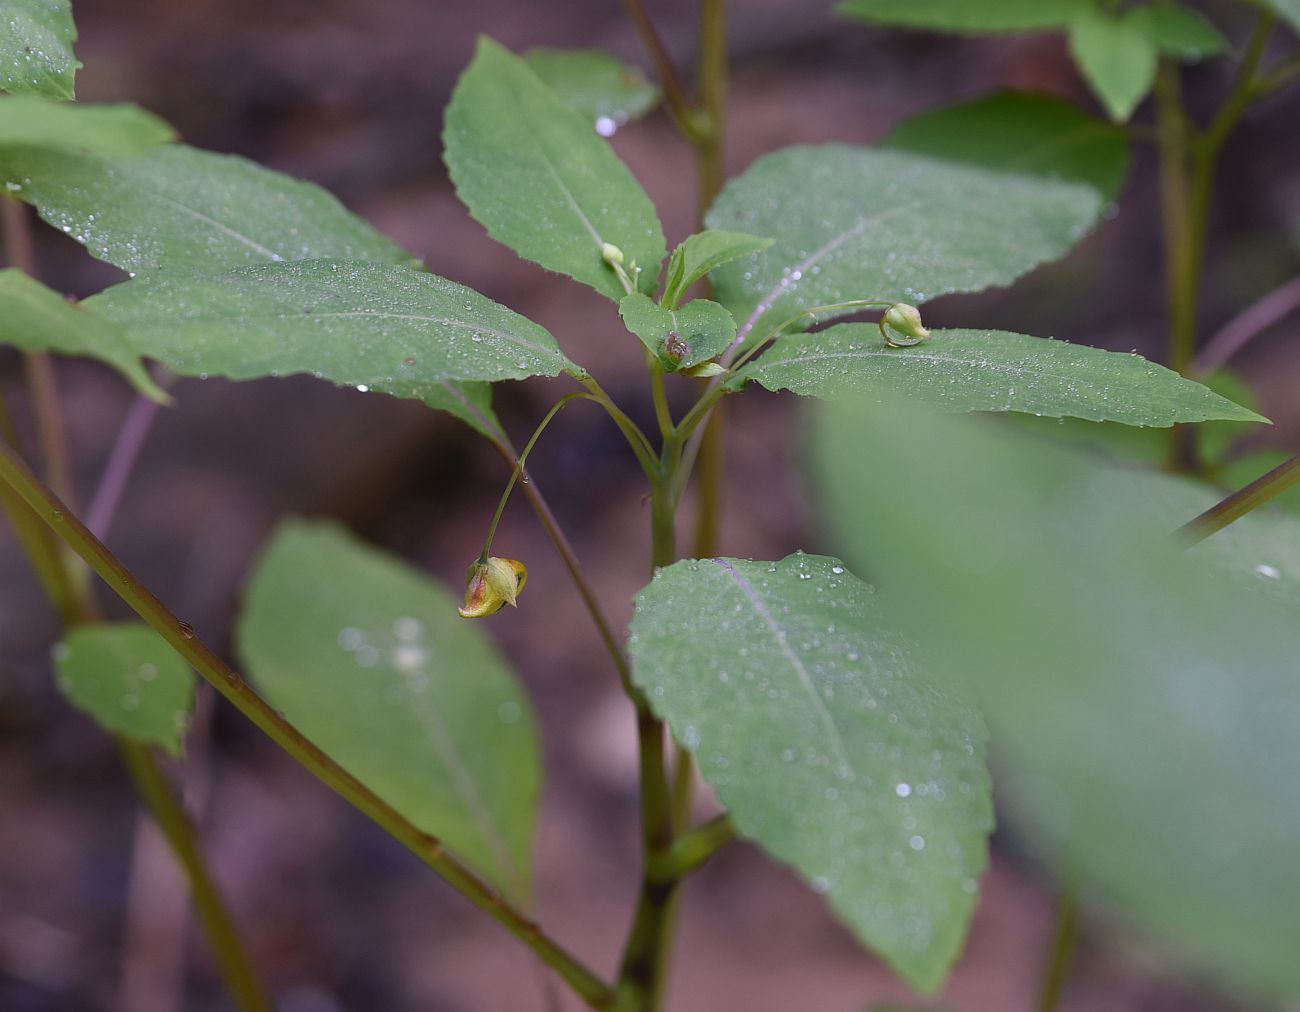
(675, 349)
(901, 326)
(705, 369)
(611, 254)
(491, 585)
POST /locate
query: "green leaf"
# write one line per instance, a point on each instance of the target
(1021, 132)
(704, 252)
(973, 16)
(1116, 57)
(178, 208)
(1150, 446)
(604, 89)
(828, 746)
(118, 129)
(536, 176)
(368, 658)
(372, 326)
(35, 318)
(129, 680)
(989, 370)
(704, 328)
(1180, 32)
(852, 223)
(1142, 698)
(36, 48)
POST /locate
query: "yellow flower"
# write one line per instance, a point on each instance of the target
(491, 585)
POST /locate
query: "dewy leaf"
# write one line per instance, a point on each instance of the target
(1021, 132)
(35, 318)
(118, 129)
(369, 659)
(1142, 697)
(373, 326)
(1117, 58)
(129, 679)
(604, 89)
(973, 16)
(178, 208)
(36, 48)
(535, 175)
(853, 223)
(1181, 32)
(704, 252)
(698, 331)
(827, 744)
(989, 370)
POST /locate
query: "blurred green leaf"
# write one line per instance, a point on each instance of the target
(704, 328)
(989, 370)
(36, 48)
(604, 89)
(1021, 132)
(853, 223)
(35, 318)
(129, 679)
(703, 252)
(973, 16)
(827, 744)
(117, 129)
(369, 659)
(1142, 697)
(178, 208)
(533, 172)
(372, 326)
(1178, 31)
(1117, 58)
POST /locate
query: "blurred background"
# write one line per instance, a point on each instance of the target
(349, 93)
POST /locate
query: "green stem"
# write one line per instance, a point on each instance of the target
(221, 933)
(642, 971)
(518, 470)
(679, 104)
(1187, 167)
(692, 849)
(429, 849)
(1064, 939)
(1237, 505)
(636, 439)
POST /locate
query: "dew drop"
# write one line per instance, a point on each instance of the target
(903, 790)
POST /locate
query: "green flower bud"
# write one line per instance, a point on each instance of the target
(491, 585)
(611, 254)
(901, 326)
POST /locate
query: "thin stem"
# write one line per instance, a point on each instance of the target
(1246, 326)
(679, 104)
(221, 933)
(1237, 505)
(546, 517)
(711, 87)
(1064, 939)
(1180, 278)
(518, 470)
(429, 849)
(692, 849)
(658, 396)
(121, 462)
(636, 439)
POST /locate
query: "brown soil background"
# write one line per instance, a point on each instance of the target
(337, 916)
